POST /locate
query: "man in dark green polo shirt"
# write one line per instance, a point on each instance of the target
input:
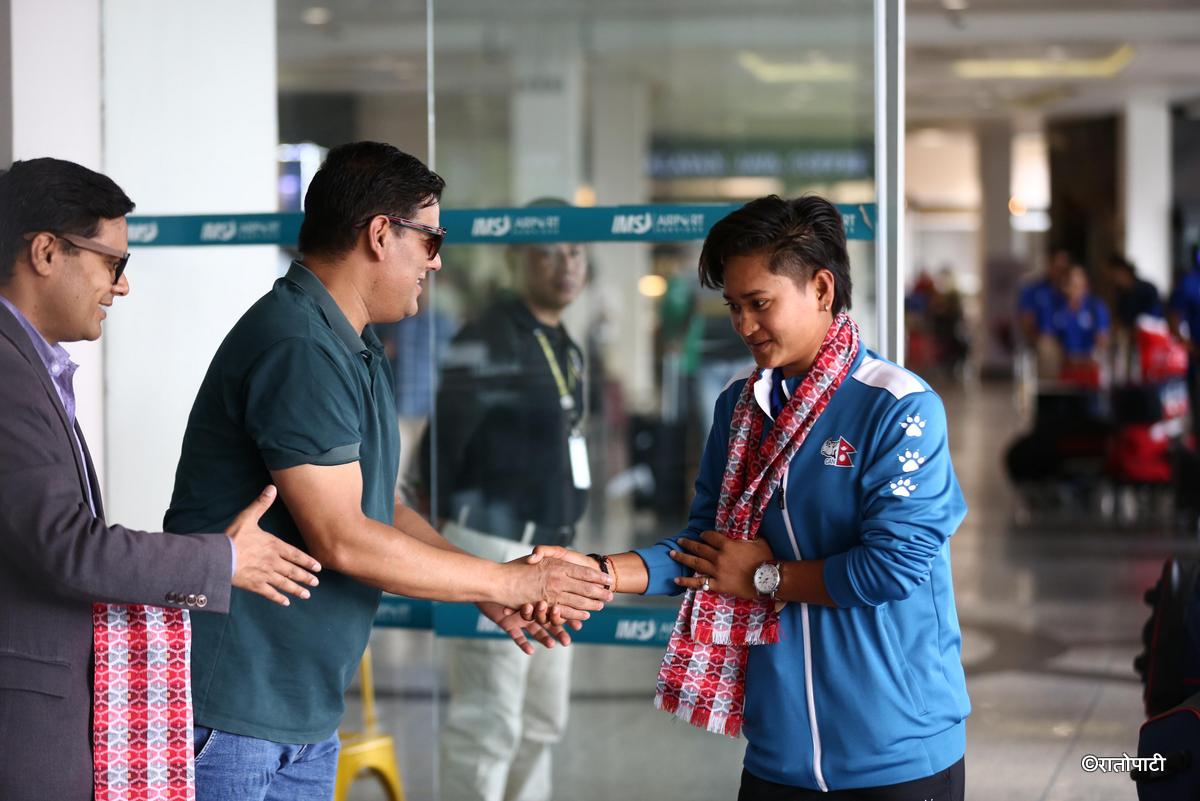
(300, 394)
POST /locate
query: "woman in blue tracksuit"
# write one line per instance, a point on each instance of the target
(860, 693)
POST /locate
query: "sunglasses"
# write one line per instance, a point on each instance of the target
(434, 235)
(83, 243)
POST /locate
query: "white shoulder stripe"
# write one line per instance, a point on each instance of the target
(746, 373)
(885, 375)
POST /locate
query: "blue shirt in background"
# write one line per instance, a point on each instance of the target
(413, 365)
(1039, 299)
(1077, 330)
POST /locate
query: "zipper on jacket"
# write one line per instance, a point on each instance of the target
(814, 730)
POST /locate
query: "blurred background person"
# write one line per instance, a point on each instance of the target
(512, 468)
(1038, 298)
(1133, 298)
(412, 346)
(1078, 329)
(947, 321)
(1183, 315)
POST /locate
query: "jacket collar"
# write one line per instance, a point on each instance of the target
(12, 330)
(762, 384)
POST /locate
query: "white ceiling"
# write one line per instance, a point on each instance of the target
(708, 61)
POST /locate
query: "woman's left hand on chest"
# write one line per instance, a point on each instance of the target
(727, 564)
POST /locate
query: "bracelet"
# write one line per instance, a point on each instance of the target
(607, 566)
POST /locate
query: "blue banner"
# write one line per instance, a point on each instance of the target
(615, 625)
(215, 229)
(396, 612)
(662, 223)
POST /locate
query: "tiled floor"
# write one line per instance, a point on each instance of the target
(1051, 612)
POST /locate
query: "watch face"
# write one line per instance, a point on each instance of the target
(766, 579)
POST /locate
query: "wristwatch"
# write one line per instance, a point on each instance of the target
(766, 579)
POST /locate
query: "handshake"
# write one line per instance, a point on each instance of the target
(552, 589)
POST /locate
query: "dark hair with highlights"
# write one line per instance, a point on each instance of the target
(798, 238)
(53, 195)
(357, 181)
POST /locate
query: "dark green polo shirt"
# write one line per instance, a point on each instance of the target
(292, 384)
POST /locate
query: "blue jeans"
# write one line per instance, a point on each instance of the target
(230, 767)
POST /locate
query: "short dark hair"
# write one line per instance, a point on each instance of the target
(1117, 261)
(357, 181)
(53, 195)
(798, 238)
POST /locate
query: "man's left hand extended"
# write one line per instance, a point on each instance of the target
(729, 565)
(517, 627)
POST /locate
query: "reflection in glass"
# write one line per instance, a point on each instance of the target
(513, 474)
(612, 102)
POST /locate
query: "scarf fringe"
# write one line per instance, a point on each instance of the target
(727, 725)
(766, 634)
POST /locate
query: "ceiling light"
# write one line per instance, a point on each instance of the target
(585, 195)
(811, 71)
(954, 5)
(1036, 68)
(316, 15)
(652, 286)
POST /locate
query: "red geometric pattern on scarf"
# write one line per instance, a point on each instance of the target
(142, 704)
(702, 676)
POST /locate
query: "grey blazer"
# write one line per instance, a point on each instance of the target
(56, 559)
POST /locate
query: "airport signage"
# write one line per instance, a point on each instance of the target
(670, 160)
(648, 626)
(509, 226)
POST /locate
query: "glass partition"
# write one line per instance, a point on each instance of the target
(561, 391)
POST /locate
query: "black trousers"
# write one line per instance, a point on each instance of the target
(946, 785)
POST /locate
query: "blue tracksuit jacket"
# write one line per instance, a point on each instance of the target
(871, 692)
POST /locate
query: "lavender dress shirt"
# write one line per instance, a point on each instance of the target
(62, 372)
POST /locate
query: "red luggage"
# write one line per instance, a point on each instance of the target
(1139, 454)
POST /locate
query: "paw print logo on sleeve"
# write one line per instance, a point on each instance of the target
(913, 425)
(903, 487)
(910, 460)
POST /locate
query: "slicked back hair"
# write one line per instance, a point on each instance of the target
(358, 181)
(798, 237)
(54, 195)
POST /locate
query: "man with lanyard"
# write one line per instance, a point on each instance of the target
(512, 469)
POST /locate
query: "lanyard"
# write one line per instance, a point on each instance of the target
(565, 398)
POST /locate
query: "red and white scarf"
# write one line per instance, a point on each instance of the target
(703, 674)
(142, 704)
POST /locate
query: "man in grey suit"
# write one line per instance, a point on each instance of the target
(62, 257)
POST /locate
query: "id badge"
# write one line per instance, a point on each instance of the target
(582, 475)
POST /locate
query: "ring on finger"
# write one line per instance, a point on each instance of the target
(704, 586)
